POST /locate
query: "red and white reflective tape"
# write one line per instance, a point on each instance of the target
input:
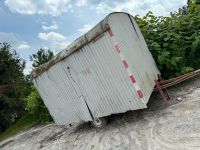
(125, 64)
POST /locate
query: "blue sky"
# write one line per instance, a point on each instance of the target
(32, 24)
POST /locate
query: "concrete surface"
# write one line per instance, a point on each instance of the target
(168, 126)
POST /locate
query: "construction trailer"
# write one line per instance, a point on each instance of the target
(108, 70)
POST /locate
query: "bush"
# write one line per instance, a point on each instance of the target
(173, 41)
(36, 107)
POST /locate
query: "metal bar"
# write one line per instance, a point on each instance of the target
(176, 78)
(172, 79)
(167, 83)
(177, 81)
(162, 94)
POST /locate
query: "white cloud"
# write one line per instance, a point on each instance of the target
(44, 7)
(45, 47)
(141, 7)
(57, 40)
(103, 8)
(80, 3)
(57, 7)
(22, 6)
(24, 45)
(54, 26)
(85, 28)
(51, 36)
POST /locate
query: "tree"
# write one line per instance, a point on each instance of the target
(34, 104)
(41, 57)
(173, 41)
(11, 66)
(193, 2)
(13, 87)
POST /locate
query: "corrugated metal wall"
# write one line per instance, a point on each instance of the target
(94, 77)
(61, 95)
(106, 86)
(135, 51)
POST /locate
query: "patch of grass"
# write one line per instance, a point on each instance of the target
(22, 124)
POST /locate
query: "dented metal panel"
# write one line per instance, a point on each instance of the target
(91, 81)
(62, 95)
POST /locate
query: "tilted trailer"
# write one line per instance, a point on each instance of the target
(108, 70)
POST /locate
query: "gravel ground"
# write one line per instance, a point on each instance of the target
(174, 125)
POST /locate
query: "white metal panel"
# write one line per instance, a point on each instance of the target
(94, 77)
(66, 102)
(106, 86)
(132, 45)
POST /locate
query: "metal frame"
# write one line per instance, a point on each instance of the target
(161, 85)
(163, 91)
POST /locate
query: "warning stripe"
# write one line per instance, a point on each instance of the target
(125, 64)
(110, 32)
(140, 94)
(117, 48)
(132, 79)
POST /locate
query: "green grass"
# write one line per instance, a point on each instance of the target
(22, 124)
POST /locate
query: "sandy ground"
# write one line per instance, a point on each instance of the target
(174, 125)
